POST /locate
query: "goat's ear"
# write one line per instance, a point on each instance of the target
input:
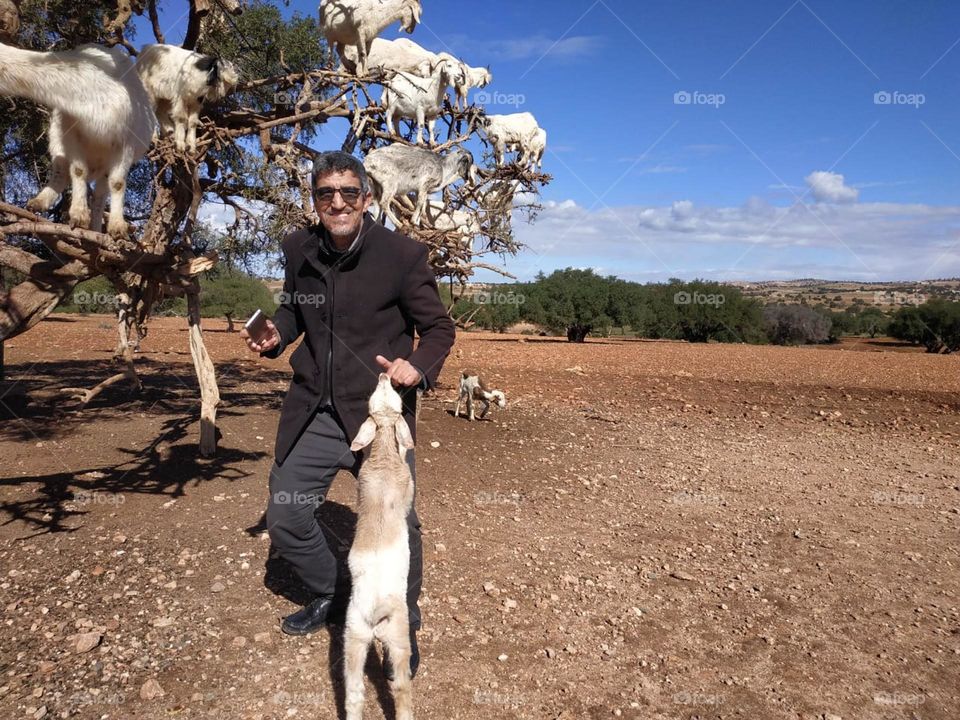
(404, 438)
(205, 63)
(365, 435)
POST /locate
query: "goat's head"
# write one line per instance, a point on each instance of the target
(466, 168)
(386, 412)
(222, 76)
(499, 398)
(410, 15)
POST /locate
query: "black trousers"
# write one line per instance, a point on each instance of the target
(297, 489)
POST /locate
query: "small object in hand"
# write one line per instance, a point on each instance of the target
(256, 326)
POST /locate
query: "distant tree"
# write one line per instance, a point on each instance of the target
(935, 324)
(569, 301)
(795, 325)
(873, 321)
(233, 295)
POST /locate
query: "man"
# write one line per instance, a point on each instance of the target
(357, 291)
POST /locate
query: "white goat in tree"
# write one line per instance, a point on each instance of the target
(179, 82)
(473, 389)
(389, 57)
(420, 98)
(472, 77)
(397, 170)
(379, 558)
(101, 122)
(516, 131)
(358, 22)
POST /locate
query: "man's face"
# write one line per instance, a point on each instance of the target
(340, 202)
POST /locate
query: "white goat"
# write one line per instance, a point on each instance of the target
(179, 82)
(397, 170)
(358, 22)
(463, 225)
(379, 558)
(472, 388)
(472, 78)
(532, 153)
(421, 98)
(101, 123)
(514, 131)
(389, 57)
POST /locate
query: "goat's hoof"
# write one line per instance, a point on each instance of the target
(80, 220)
(36, 205)
(119, 230)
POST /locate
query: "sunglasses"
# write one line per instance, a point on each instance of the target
(324, 195)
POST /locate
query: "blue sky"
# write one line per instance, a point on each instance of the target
(785, 163)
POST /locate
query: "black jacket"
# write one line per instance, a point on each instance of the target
(351, 308)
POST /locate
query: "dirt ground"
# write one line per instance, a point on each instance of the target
(649, 530)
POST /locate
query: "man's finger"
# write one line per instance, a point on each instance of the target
(384, 363)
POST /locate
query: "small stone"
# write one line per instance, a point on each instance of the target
(163, 622)
(551, 653)
(239, 641)
(46, 667)
(172, 585)
(97, 571)
(218, 587)
(151, 690)
(40, 713)
(119, 538)
(435, 444)
(503, 657)
(680, 575)
(510, 604)
(263, 638)
(440, 547)
(85, 642)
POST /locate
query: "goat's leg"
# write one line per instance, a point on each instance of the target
(193, 120)
(79, 209)
(356, 643)
(59, 176)
(456, 413)
(395, 635)
(470, 407)
(432, 126)
(57, 182)
(391, 128)
(100, 187)
(180, 123)
(116, 225)
(486, 408)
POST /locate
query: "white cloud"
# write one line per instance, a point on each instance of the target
(829, 187)
(755, 240)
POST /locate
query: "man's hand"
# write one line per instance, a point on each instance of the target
(400, 371)
(273, 339)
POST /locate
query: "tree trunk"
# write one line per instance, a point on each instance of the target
(229, 322)
(206, 375)
(578, 333)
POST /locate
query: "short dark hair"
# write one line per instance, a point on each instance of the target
(336, 161)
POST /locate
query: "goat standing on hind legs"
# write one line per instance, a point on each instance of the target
(379, 559)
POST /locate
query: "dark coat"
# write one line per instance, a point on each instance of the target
(353, 307)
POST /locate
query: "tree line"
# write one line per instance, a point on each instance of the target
(577, 303)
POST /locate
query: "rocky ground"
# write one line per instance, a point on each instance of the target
(650, 530)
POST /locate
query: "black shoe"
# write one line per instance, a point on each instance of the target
(414, 658)
(309, 619)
